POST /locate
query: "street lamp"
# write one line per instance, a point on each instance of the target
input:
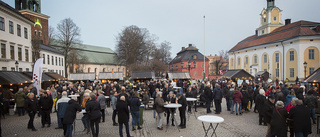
(305, 69)
(17, 65)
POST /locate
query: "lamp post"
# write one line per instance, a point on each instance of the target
(305, 69)
(17, 65)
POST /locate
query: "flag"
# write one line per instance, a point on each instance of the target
(37, 74)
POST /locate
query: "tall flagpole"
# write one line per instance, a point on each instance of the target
(204, 47)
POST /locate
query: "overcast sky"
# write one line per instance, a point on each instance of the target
(179, 22)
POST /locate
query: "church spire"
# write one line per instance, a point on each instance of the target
(270, 4)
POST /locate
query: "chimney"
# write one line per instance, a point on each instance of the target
(190, 45)
(183, 48)
(287, 21)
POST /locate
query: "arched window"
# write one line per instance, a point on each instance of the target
(88, 70)
(104, 69)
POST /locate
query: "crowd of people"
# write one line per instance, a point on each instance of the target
(282, 107)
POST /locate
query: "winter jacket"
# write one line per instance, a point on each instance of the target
(62, 104)
(114, 102)
(134, 103)
(31, 105)
(183, 102)
(245, 96)
(288, 99)
(217, 93)
(311, 101)
(278, 122)
(230, 94)
(45, 103)
(20, 99)
(237, 96)
(145, 99)
(93, 109)
(123, 112)
(70, 114)
(208, 93)
(102, 100)
(159, 103)
(301, 118)
(268, 110)
(260, 100)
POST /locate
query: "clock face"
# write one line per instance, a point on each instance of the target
(264, 15)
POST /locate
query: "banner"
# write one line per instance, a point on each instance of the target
(37, 74)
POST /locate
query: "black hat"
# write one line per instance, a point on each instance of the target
(271, 96)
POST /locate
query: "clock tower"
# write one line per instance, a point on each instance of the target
(32, 10)
(270, 19)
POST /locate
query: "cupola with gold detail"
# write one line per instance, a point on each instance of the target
(270, 19)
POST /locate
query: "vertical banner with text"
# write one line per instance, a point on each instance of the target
(37, 74)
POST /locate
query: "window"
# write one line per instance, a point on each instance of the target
(231, 62)
(26, 54)
(277, 73)
(311, 53)
(195, 73)
(59, 62)
(195, 64)
(251, 71)
(11, 27)
(52, 60)
(311, 70)
(3, 50)
(62, 72)
(27, 69)
(265, 58)
(12, 52)
(13, 69)
(59, 72)
(194, 56)
(255, 59)
(277, 57)
(177, 67)
(20, 69)
(18, 30)
(275, 18)
(4, 68)
(246, 61)
(44, 58)
(62, 62)
(26, 33)
(262, 32)
(291, 72)
(264, 20)
(48, 59)
(291, 55)
(202, 64)
(2, 23)
(56, 61)
(238, 61)
(19, 54)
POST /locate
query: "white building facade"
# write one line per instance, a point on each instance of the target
(53, 60)
(15, 40)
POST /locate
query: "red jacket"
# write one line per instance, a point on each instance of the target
(237, 96)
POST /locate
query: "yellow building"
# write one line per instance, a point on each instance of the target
(279, 49)
(217, 63)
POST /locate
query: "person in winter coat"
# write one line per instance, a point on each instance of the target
(134, 109)
(230, 99)
(159, 105)
(123, 115)
(183, 101)
(245, 99)
(268, 110)
(45, 105)
(62, 104)
(278, 120)
(114, 104)
(250, 94)
(311, 102)
(208, 96)
(102, 101)
(260, 100)
(189, 95)
(217, 97)
(70, 115)
(237, 96)
(94, 111)
(31, 107)
(300, 115)
(19, 99)
(289, 97)
(171, 98)
(255, 94)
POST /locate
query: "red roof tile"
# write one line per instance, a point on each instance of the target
(300, 28)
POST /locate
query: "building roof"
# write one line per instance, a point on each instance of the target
(110, 75)
(50, 49)
(82, 76)
(179, 75)
(314, 77)
(237, 73)
(296, 29)
(142, 75)
(13, 77)
(45, 77)
(188, 53)
(8, 7)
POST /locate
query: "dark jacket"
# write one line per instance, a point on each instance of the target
(31, 105)
(189, 94)
(217, 93)
(260, 100)
(245, 96)
(268, 110)
(237, 96)
(134, 103)
(301, 118)
(311, 101)
(70, 114)
(123, 112)
(230, 94)
(183, 102)
(159, 103)
(208, 93)
(20, 99)
(250, 92)
(93, 109)
(45, 103)
(145, 99)
(278, 122)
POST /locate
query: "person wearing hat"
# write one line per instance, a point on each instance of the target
(268, 110)
(183, 101)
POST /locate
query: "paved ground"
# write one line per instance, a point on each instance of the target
(233, 126)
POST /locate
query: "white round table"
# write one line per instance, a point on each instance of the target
(171, 106)
(191, 99)
(73, 96)
(192, 111)
(106, 96)
(212, 120)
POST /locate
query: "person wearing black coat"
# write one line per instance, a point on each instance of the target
(208, 96)
(70, 115)
(217, 97)
(45, 105)
(31, 107)
(268, 110)
(183, 101)
(93, 109)
(259, 103)
(300, 115)
(278, 120)
(123, 116)
(134, 109)
(245, 99)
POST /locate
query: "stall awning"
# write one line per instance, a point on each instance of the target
(142, 75)
(55, 76)
(179, 75)
(110, 75)
(82, 76)
(45, 77)
(13, 77)
(314, 77)
(237, 73)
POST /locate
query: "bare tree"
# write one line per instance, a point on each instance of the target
(68, 34)
(35, 43)
(51, 35)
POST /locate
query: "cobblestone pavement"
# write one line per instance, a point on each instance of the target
(233, 126)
